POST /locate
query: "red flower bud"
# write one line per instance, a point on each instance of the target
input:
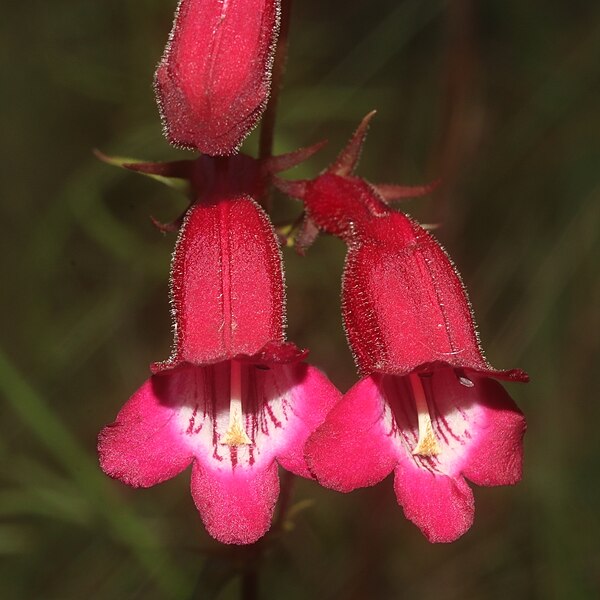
(213, 81)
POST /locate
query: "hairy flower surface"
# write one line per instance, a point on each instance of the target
(213, 81)
(432, 429)
(234, 399)
(427, 407)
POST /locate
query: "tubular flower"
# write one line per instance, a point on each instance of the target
(213, 81)
(428, 407)
(234, 399)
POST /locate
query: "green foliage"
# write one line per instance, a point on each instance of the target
(504, 109)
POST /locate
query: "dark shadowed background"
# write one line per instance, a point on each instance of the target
(499, 98)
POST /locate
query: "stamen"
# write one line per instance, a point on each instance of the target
(235, 434)
(427, 444)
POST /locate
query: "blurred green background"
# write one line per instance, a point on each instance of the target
(500, 98)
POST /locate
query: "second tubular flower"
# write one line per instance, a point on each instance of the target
(234, 399)
(428, 407)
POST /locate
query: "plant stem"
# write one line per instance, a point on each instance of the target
(285, 497)
(461, 118)
(250, 576)
(250, 583)
(267, 128)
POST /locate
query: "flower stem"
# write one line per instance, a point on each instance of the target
(249, 589)
(250, 575)
(461, 124)
(253, 555)
(285, 498)
(267, 128)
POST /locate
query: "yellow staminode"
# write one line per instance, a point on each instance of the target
(427, 444)
(235, 434)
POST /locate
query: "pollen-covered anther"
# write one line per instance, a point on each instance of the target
(235, 434)
(427, 444)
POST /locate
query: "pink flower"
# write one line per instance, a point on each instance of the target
(433, 428)
(213, 81)
(427, 407)
(234, 399)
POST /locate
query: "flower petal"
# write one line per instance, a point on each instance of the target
(312, 397)
(496, 456)
(226, 282)
(143, 446)
(236, 505)
(354, 446)
(478, 429)
(478, 433)
(213, 81)
(441, 507)
(280, 405)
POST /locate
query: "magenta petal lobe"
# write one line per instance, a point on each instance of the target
(355, 446)
(313, 396)
(143, 446)
(236, 506)
(496, 457)
(441, 506)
